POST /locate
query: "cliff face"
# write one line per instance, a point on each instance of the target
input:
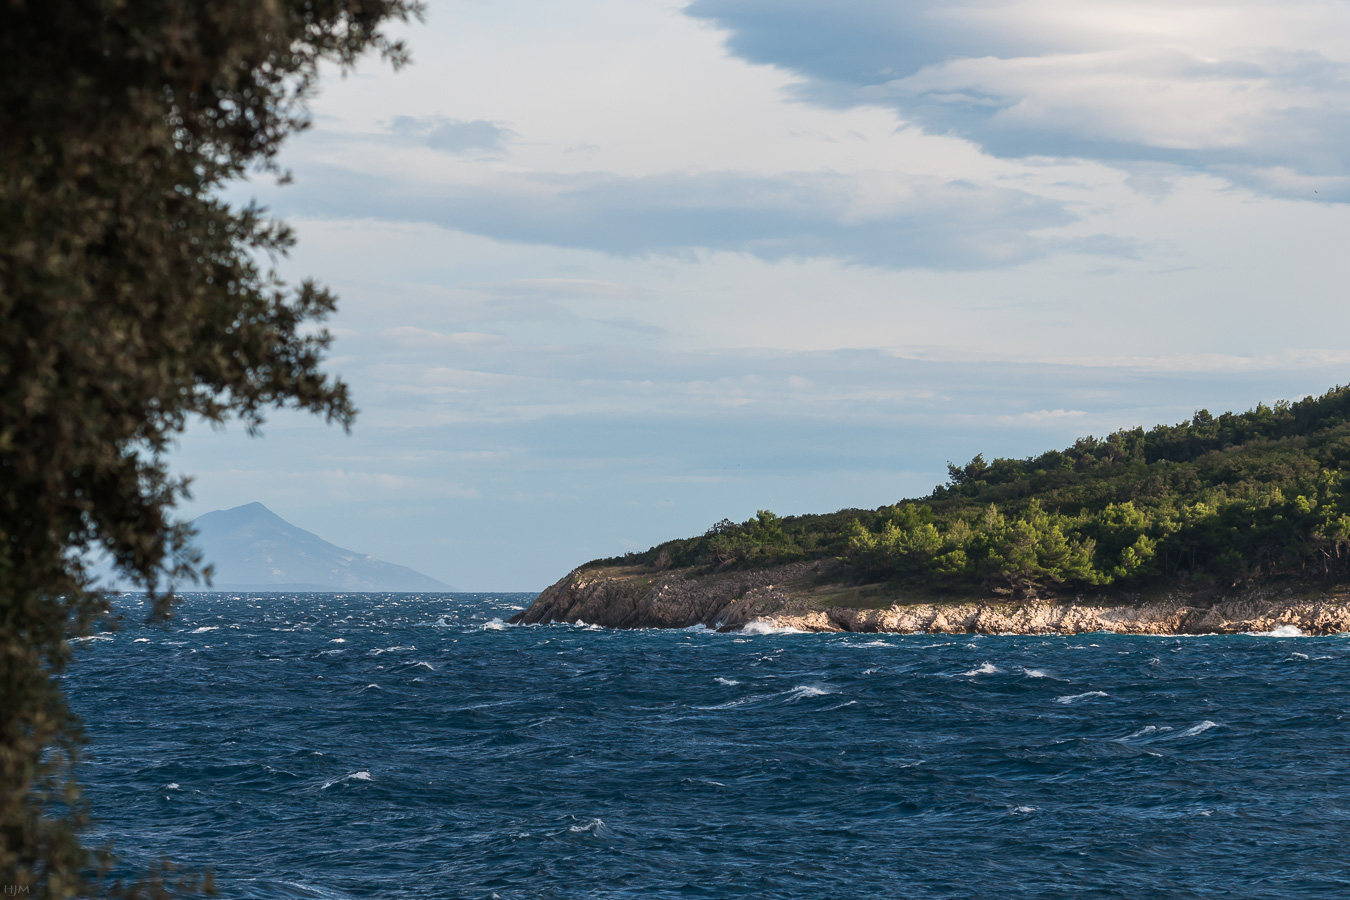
(788, 597)
(638, 598)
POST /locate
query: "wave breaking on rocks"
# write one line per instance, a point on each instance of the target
(798, 597)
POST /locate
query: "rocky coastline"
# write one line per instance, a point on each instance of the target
(796, 596)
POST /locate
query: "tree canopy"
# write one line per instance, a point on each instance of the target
(133, 299)
(1218, 501)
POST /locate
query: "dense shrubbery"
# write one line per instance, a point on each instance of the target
(1237, 498)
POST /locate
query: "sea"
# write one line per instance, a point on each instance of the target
(416, 746)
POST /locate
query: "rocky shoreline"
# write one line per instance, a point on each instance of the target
(794, 597)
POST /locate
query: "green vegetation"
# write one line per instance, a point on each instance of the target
(133, 298)
(1222, 501)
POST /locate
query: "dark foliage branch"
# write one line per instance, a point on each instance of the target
(132, 300)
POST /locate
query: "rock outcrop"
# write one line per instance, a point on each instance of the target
(792, 596)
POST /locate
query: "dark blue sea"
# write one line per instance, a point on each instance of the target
(406, 746)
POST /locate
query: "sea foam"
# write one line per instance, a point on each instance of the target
(1283, 631)
(759, 626)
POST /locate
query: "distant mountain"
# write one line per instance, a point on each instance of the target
(254, 549)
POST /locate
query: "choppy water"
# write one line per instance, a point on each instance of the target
(394, 746)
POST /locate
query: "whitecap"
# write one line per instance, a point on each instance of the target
(1145, 732)
(763, 626)
(594, 826)
(697, 628)
(363, 775)
(423, 665)
(338, 641)
(205, 628)
(141, 641)
(1282, 631)
(729, 682)
(984, 669)
(1198, 729)
(1071, 698)
(494, 624)
(1022, 810)
(171, 786)
(1037, 673)
(1297, 655)
(389, 650)
(732, 704)
(802, 691)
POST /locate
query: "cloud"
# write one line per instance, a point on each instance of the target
(415, 338)
(562, 287)
(1041, 415)
(1236, 87)
(475, 138)
(886, 220)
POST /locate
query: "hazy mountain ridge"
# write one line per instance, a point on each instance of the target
(254, 549)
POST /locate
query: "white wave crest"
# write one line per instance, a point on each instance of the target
(1145, 732)
(363, 775)
(205, 628)
(1074, 698)
(729, 682)
(763, 626)
(338, 641)
(1037, 673)
(732, 704)
(1282, 631)
(802, 691)
(494, 624)
(594, 826)
(141, 641)
(423, 665)
(1198, 729)
(984, 669)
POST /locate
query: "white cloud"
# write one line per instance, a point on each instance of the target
(1235, 87)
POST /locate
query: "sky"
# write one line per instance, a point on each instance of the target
(613, 271)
